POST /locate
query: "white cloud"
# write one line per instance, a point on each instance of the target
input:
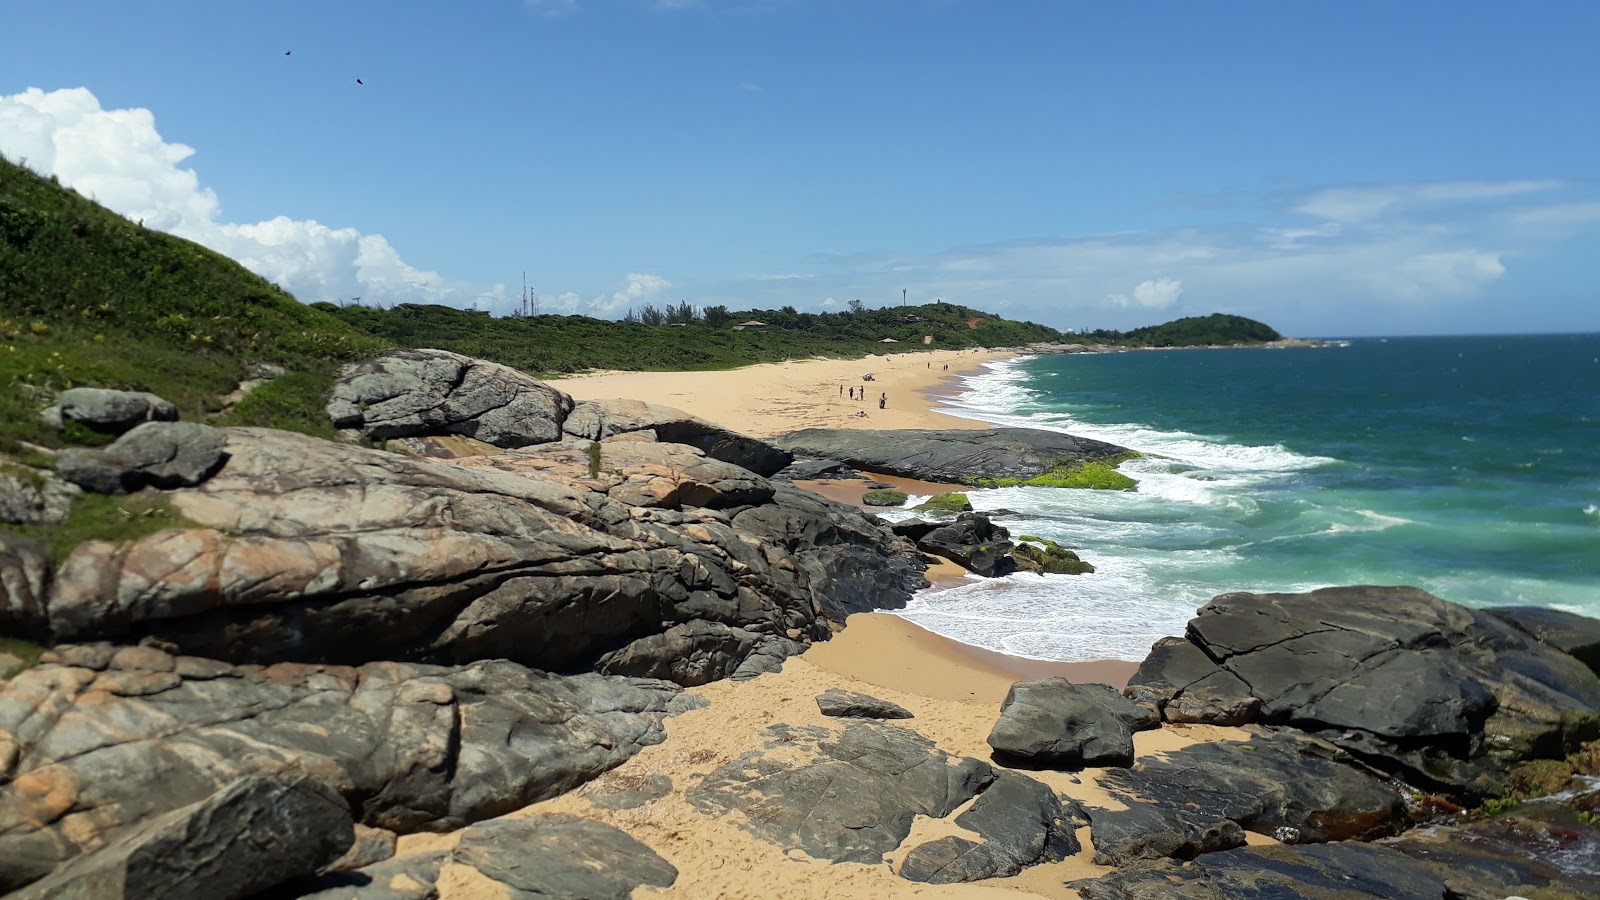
(1160, 293)
(1364, 202)
(1453, 273)
(639, 289)
(786, 276)
(118, 158)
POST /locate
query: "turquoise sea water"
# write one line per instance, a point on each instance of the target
(1467, 466)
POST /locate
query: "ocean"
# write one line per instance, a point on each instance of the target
(1466, 466)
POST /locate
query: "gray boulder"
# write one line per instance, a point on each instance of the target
(108, 411)
(1343, 871)
(96, 741)
(1444, 696)
(852, 705)
(973, 542)
(961, 456)
(699, 652)
(597, 420)
(162, 455)
(1056, 723)
(562, 858)
(34, 496)
(844, 796)
(1021, 823)
(1572, 634)
(1290, 787)
(252, 835)
(406, 393)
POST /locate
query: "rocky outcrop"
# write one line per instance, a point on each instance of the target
(1056, 723)
(603, 419)
(1444, 696)
(845, 704)
(1203, 797)
(34, 496)
(952, 457)
(108, 411)
(1020, 822)
(156, 454)
(99, 741)
(252, 835)
(1572, 634)
(406, 393)
(322, 552)
(973, 542)
(1346, 871)
(700, 652)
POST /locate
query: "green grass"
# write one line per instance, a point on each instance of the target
(26, 651)
(1099, 475)
(98, 517)
(291, 402)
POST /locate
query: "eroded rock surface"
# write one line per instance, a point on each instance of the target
(1445, 696)
(605, 419)
(1343, 871)
(1056, 723)
(960, 456)
(105, 739)
(845, 704)
(1021, 823)
(562, 858)
(1573, 635)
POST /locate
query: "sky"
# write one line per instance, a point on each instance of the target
(1331, 168)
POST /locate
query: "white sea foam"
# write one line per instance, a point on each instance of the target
(1592, 510)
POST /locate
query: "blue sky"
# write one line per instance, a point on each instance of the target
(1330, 168)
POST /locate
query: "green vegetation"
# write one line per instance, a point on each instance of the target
(594, 459)
(97, 517)
(884, 498)
(90, 298)
(1100, 475)
(950, 502)
(1042, 555)
(1214, 330)
(1497, 805)
(27, 652)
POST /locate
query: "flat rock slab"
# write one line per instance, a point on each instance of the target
(1021, 822)
(1054, 722)
(632, 796)
(1342, 871)
(951, 457)
(253, 835)
(844, 796)
(92, 750)
(851, 705)
(562, 858)
(1284, 785)
(1445, 696)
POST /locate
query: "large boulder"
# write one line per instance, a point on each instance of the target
(317, 551)
(406, 393)
(162, 455)
(973, 542)
(252, 835)
(597, 420)
(1053, 722)
(104, 740)
(1203, 797)
(1444, 696)
(108, 411)
(961, 456)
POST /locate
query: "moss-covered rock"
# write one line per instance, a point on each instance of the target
(950, 502)
(1100, 475)
(1540, 777)
(885, 498)
(1047, 557)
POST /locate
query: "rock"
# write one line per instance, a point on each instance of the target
(163, 455)
(602, 419)
(632, 794)
(812, 469)
(951, 502)
(1541, 849)
(697, 653)
(26, 573)
(562, 858)
(851, 705)
(1572, 634)
(1441, 695)
(1281, 784)
(316, 551)
(34, 496)
(914, 529)
(959, 456)
(108, 411)
(1056, 723)
(973, 542)
(408, 393)
(1343, 871)
(844, 796)
(371, 846)
(885, 498)
(405, 878)
(1047, 557)
(253, 835)
(88, 756)
(1022, 823)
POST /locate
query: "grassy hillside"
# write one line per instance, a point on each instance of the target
(90, 298)
(700, 340)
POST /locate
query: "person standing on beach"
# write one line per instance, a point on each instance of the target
(883, 402)
(841, 390)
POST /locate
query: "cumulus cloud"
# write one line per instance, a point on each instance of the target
(1160, 293)
(638, 289)
(118, 158)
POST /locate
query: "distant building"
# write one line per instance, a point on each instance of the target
(750, 324)
(888, 341)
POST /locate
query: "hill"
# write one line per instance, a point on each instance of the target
(1215, 330)
(90, 298)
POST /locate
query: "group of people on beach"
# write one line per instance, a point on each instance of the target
(861, 394)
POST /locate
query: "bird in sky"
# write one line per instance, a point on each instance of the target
(287, 52)
(359, 81)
